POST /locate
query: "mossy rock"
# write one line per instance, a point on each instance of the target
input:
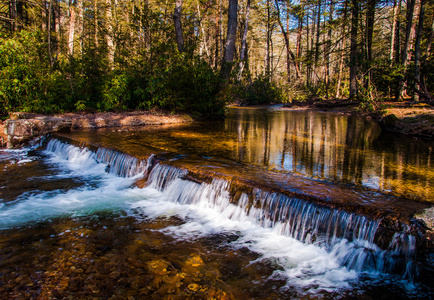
(389, 122)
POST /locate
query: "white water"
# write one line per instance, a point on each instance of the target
(205, 208)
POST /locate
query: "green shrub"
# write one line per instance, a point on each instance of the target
(260, 91)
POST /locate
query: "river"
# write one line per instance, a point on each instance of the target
(268, 203)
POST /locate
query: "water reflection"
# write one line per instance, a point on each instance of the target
(330, 146)
(335, 147)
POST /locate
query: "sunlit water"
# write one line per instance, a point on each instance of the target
(330, 146)
(72, 226)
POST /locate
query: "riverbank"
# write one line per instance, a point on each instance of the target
(415, 119)
(25, 126)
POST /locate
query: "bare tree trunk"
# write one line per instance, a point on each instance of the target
(13, 15)
(409, 18)
(288, 57)
(217, 37)
(395, 24)
(178, 25)
(95, 13)
(370, 18)
(267, 49)
(288, 48)
(431, 37)
(318, 31)
(417, 6)
(71, 28)
(80, 24)
(50, 54)
(299, 35)
(354, 48)
(328, 46)
(312, 45)
(308, 65)
(231, 37)
(342, 50)
(110, 35)
(204, 38)
(417, 51)
(243, 51)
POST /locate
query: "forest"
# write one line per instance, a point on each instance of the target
(196, 56)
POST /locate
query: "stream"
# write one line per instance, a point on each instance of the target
(266, 204)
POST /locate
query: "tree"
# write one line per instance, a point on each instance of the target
(178, 25)
(354, 48)
(243, 51)
(231, 36)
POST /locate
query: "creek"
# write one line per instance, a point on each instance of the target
(268, 203)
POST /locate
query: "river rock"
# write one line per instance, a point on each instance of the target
(389, 122)
(19, 131)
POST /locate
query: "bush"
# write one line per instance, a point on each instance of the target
(260, 91)
(171, 81)
(186, 85)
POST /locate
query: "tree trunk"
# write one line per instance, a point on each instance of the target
(409, 17)
(110, 35)
(342, 50)
(395, 26)
(417, 6)
(13, 15)
(299, 35)
(430, 39)
(95, 14)
(204, 36)
(267, 49)
(80, 24)
(308, 64)
(178, 25)
(354, 48)
(417, 51)
(328, 46)
(243, 51)
(217, 37)
(318, 31)
(50, 54)
(370, 18)
(71, 28)
(286, 39)
(231, 36)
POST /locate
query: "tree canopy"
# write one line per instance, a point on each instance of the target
(196, 56)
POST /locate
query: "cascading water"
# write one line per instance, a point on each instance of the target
(314, 245)
(349, 237)
(116, 163)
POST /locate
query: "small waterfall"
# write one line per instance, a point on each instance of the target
(347, 236)
(162, 175)
(120, 164)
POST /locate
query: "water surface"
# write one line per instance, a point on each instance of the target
(330, 146)
(75, 223)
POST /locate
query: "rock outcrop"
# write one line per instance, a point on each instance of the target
(22, 127)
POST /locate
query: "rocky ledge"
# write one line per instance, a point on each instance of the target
(22, 127)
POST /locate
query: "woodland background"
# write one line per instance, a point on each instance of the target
(195, 56)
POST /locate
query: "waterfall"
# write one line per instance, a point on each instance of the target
(120, 164)
(117, 163)
(347, 236)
